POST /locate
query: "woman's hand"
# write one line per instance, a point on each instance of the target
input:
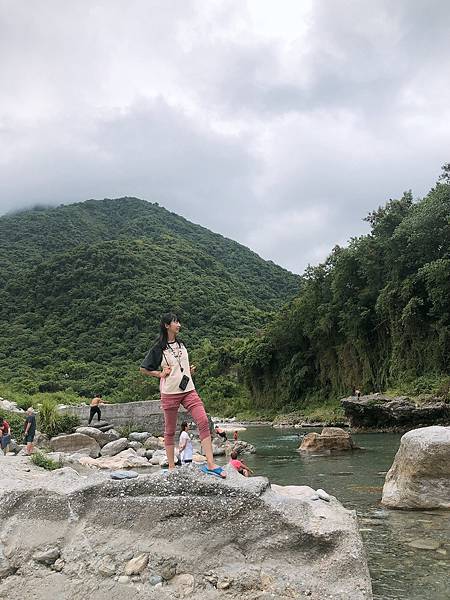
(192, 368)
(165, 372)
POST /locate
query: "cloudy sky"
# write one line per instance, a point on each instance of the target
(278, 123)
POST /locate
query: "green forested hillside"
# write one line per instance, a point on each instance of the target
(375, 315)
(82, 287)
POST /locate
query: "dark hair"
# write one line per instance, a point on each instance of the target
(234, 455)
(183, 425)
(166, 319)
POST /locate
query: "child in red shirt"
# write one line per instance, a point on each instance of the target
(240, 466)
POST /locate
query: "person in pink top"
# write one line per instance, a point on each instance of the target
(168, 360)
(239, 465)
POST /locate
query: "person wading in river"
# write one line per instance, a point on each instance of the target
(168, 360)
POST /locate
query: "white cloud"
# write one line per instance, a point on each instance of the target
(280, 126)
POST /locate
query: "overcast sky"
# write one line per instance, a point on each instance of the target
(278, 123)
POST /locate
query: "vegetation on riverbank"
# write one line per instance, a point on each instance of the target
(375, 315)
(83, 285)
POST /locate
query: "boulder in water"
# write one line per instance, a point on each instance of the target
(331, 439)
(420, 474)
(242, 447)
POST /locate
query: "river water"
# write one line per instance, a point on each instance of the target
(399, 571)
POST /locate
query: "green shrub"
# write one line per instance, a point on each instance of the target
(40, 460)
(65, 424)
(51, 422)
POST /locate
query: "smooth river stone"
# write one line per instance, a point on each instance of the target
(425, 544)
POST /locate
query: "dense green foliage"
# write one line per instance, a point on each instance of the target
(374, 315)
(82, 287)
(16, 422)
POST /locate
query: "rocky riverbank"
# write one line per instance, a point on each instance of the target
(399, 414)
(177, 534)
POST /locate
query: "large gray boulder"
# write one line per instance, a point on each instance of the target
(75, 442)
(139, 436)
(127, 459)
(101, 437)
(204, 538)
(242, 447)
(113, 448)
(420, 474)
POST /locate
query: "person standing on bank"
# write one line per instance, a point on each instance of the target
(168, 360)
(29, 430)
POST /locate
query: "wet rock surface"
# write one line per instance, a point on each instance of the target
(420, 474)
(172, 535)
(376, 411)
(331, 439)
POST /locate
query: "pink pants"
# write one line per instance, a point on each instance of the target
(170, 403)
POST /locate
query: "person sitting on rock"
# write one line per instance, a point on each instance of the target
(239, 465)
(30, 430)
(5, 435)
(95, 408)
(185, 447)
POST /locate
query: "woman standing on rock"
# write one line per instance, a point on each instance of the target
(168, 360)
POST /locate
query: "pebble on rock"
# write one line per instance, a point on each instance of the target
(155, 580)
(136, 565)
(323, 495)
(119, 475)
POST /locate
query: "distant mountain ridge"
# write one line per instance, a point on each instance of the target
(82, 287)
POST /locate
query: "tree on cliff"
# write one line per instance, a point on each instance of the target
(373, 314)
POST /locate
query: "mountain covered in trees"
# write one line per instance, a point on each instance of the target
(374, 315)
(82, 287)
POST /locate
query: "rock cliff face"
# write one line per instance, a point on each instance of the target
(172, 535)
(420, 474)
(383, 412)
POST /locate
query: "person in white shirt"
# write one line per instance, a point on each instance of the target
(185, 445)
